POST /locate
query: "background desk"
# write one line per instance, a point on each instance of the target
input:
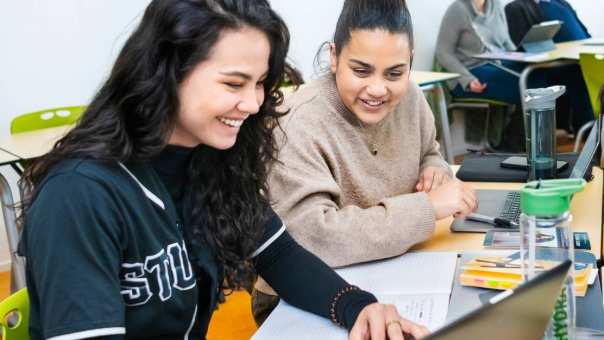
(7, 158)
(33, 144)
(432, 82)
(586, 208)
(564, 54)
(27, 145)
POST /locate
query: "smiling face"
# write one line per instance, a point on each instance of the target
(223, 90)
(372, 72)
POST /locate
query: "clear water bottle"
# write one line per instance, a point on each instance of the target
(540, 131)
(545, 217)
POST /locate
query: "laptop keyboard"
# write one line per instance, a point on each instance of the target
(511, 207)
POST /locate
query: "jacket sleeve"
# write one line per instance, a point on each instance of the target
(302, 279)
(451, 28)
(572, 10)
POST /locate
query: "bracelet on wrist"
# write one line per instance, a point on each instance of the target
(334, 303)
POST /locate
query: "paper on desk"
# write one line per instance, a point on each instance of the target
(514, 56)
(419, 284)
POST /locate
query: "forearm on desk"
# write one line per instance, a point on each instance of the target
(352, 234)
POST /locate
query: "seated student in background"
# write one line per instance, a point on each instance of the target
(156, 201)
(471, 27)
(523, 14)
(360, 177)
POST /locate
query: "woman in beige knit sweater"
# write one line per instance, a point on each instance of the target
(361, 177)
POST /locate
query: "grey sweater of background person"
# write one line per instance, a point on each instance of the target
(336, 198)
(465, 32)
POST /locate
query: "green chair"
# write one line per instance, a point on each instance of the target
(14, 313)
(46, 119)
(28, 122)
(592, 67)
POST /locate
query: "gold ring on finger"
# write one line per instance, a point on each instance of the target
(391, 322)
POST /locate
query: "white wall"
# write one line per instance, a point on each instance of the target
(322, 16)
(57, 52)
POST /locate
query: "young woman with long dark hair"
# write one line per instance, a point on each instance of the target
(157, 200)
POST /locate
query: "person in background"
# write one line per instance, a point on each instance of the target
(360, 176)
(157, 200)
(471, 27)
(523, 14)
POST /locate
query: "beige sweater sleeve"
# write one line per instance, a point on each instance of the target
(307, 194)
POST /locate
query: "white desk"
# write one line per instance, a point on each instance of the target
(432, 82)
(7, 158)
(586, 208)
(565, 53)
(28, 145)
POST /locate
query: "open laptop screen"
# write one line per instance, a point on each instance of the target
(587, 154)
(522, 313)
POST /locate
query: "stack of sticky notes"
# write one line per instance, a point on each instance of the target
(497, 272)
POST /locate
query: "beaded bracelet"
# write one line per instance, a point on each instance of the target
(334, 302)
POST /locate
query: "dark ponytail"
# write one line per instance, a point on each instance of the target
(390, 15)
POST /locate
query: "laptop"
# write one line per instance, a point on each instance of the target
(505, 204)
(522, 313)
(539, 37)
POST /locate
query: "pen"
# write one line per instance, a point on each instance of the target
(496, 221)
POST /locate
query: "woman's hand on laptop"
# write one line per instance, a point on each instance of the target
(380, 322)
(431, 177)
(453, 198)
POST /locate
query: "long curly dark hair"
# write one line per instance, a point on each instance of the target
(131, 117)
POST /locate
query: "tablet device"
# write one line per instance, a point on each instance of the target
(539, 37)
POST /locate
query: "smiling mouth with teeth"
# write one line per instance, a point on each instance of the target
(374, 103)
(235, 123)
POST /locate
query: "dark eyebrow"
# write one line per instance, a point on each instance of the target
(396, 66)
(369, 66)
(361, 63)
(245, 76)
(237, 74)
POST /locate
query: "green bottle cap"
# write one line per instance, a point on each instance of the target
(552, 197)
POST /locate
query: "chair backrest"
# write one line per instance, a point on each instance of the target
(592, 66)
(46, 118)
(14, 314)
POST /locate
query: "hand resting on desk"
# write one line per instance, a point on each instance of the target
(380, 322)
(453, 198)
(431, 178)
